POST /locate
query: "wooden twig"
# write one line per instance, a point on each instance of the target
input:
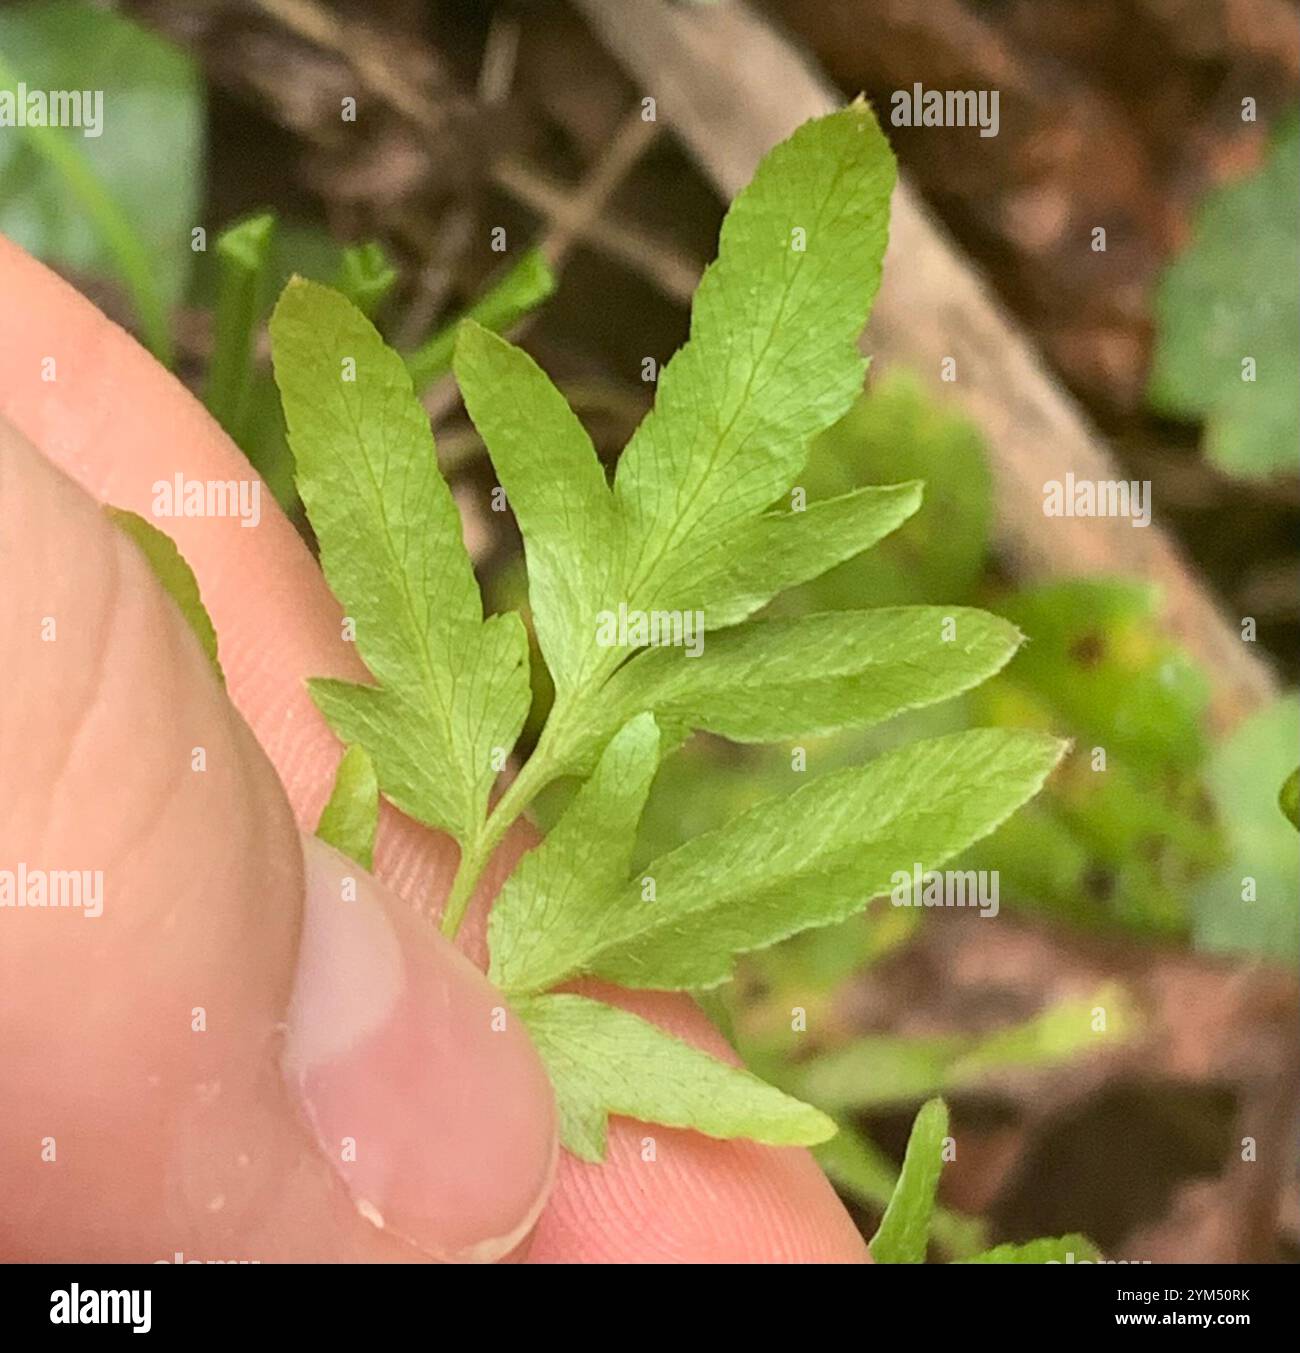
(500, 55)
(674, 273)
(599, 184)
(585, 205)
(369, 59)
(731, 87)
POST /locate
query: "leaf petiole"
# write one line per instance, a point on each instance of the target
(549, 760)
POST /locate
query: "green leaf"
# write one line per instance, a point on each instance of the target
(777, 679)
(1119, 842)
(351, 817)
(556, 488)
(603, 1060)
(175, 575)
(558, 892)
(763, 556)
(772, 358)
(453, 688)
(813, 857)
(861, 1171)
(122, 202)
(523, 288)
(1249, 906)
(1072, 1249)
(904, 1233)
(1229, 297)
(697, 521)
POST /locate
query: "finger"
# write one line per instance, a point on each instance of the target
(192, 1060)
(116, 422)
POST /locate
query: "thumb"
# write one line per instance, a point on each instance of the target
(216, 1038)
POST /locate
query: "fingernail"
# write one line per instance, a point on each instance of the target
(419, 1083)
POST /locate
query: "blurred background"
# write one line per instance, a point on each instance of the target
(560, 170)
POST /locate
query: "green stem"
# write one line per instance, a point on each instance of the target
(244, 251)
(530, 781)
(522, 289)
(555, 750)
(128, 251)
(548, 761)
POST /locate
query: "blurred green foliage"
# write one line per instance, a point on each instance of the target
(903, 1236)
(1250, 905)
(883, 1070)
(123, 202)
(862, 1172)
(521, 288)
(1126, 826)
(243, 255)
(1231, 296)
(126, 202)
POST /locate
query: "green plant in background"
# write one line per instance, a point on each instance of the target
(1128, 828)
(121, 202)
(874, 1072)
(938, 555)
(912, 1221)
(695, 523)
(519, 290)
(255, 258)
(887, 1071)
(125, 203)
(1228, 300)
(1248, 905)
(243, 256)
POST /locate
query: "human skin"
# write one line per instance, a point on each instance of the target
(223, 1134)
